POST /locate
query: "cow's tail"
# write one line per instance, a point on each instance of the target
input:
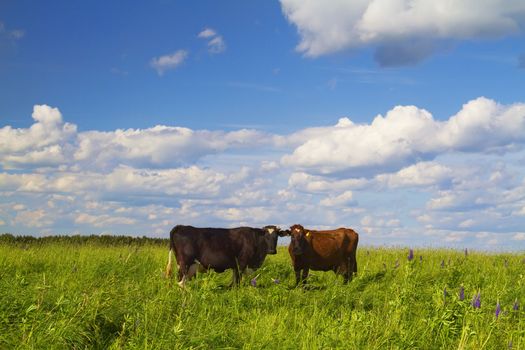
(169, 267)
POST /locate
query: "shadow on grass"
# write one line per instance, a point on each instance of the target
(362, 283)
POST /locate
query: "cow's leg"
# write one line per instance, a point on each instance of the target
(343, 269)
(169, 267)
(347, 274)
(187, 273)
(192, 271)
(351, 268)
(182, 275)
(305, 275)
(236, 277)
(297, 276)
(352, 265)
(241, 264)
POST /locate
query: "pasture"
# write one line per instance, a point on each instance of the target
(60, 295)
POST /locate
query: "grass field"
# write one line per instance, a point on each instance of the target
(65, 296)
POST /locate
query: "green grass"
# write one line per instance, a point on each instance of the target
(67, 296)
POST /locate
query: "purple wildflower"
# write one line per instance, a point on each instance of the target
(276, 281)
(253, 282)
(476, 301)
(443, 263)
(410, 255)
(516, 306)
(462, 293)
(498, 309)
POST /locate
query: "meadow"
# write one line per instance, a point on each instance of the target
(65, 295)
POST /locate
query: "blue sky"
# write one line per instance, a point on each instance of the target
(133, 117)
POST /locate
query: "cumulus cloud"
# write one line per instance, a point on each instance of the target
(408, 134)
(207, 33)
(397, 179)
(403, 31)
(103, 220)
(33, 218)
(422, 174)
(51, 141)
(123, 181)
(457, 200)
(344, 199)
(216, 43)
(318, 184)
(42, 143)
(160, 146)
(168, 62)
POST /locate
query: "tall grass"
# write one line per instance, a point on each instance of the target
(61, 295)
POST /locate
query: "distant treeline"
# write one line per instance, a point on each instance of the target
(104, 240)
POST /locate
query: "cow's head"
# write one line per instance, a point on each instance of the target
(271, 234)
(298, 241)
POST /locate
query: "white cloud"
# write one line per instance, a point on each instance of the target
(520, 236)
(344, 199)
(422, 174)
(318, 184)
(467, 223)
(243, 216)
(40, 144)
(160, 146)
(403, 31)
(50, 141)
(207, 33)
(407, 134)
(103, 220)
(168, 62)
(455, 237)
(33, 218)
(453, 199)
(19, 207)
(124, 181)
(145, 181)
(216, 43)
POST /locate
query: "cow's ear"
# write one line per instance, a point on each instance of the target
(284, 233)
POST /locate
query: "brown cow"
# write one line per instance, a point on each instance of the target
(219, 249)
(323, 251)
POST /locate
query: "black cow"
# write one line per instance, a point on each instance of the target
(220, 249)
